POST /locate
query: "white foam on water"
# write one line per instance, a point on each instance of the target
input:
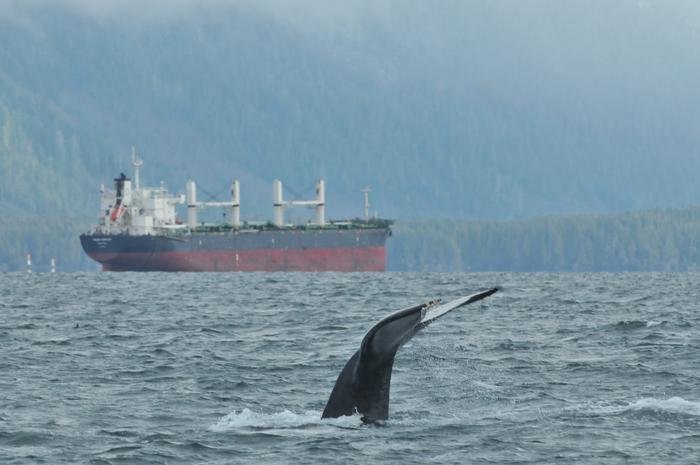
(286, 419)
(671, 405)
(674, 405)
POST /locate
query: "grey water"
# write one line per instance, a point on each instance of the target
(107, 368)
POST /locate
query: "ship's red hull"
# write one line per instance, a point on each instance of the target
(329, 259)
(274, 249)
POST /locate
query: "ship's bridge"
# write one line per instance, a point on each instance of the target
(132, 209)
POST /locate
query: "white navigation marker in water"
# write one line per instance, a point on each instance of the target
(29, 263)
(53, 265)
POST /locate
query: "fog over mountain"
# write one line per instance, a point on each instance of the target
(450, 109)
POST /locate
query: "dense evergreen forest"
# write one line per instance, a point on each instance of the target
(666, 240)
(485, 110)
(48, 165)
(44, 238)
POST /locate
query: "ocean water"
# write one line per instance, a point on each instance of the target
(101, 368)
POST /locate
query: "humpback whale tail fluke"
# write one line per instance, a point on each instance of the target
(363, 384)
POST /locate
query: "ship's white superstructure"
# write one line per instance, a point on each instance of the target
(135, 210)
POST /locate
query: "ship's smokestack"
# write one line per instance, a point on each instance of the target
(278, 203)
(235, 204)
(191, 204)
(321, 205)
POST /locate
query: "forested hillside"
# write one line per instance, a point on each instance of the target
(48, 163)
(467, 110)
(647, 241)
(44, 238)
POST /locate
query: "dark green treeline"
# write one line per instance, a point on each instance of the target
(666, 240)
(44, 238)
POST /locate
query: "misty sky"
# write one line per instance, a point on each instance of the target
(549, 43)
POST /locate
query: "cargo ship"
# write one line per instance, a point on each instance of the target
(139, 230)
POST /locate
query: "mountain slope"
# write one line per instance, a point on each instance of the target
(470, 111)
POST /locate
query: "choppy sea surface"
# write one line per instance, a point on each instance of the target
(150, 368)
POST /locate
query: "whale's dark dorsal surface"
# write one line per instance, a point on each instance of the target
(363, 385)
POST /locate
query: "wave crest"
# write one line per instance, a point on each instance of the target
(671, 405)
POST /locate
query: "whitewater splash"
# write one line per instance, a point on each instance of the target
(673, 405)
(286, 419)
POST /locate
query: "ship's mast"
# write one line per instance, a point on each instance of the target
(279, 204)
(137, 165)
(236, 204)
(366, 190)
